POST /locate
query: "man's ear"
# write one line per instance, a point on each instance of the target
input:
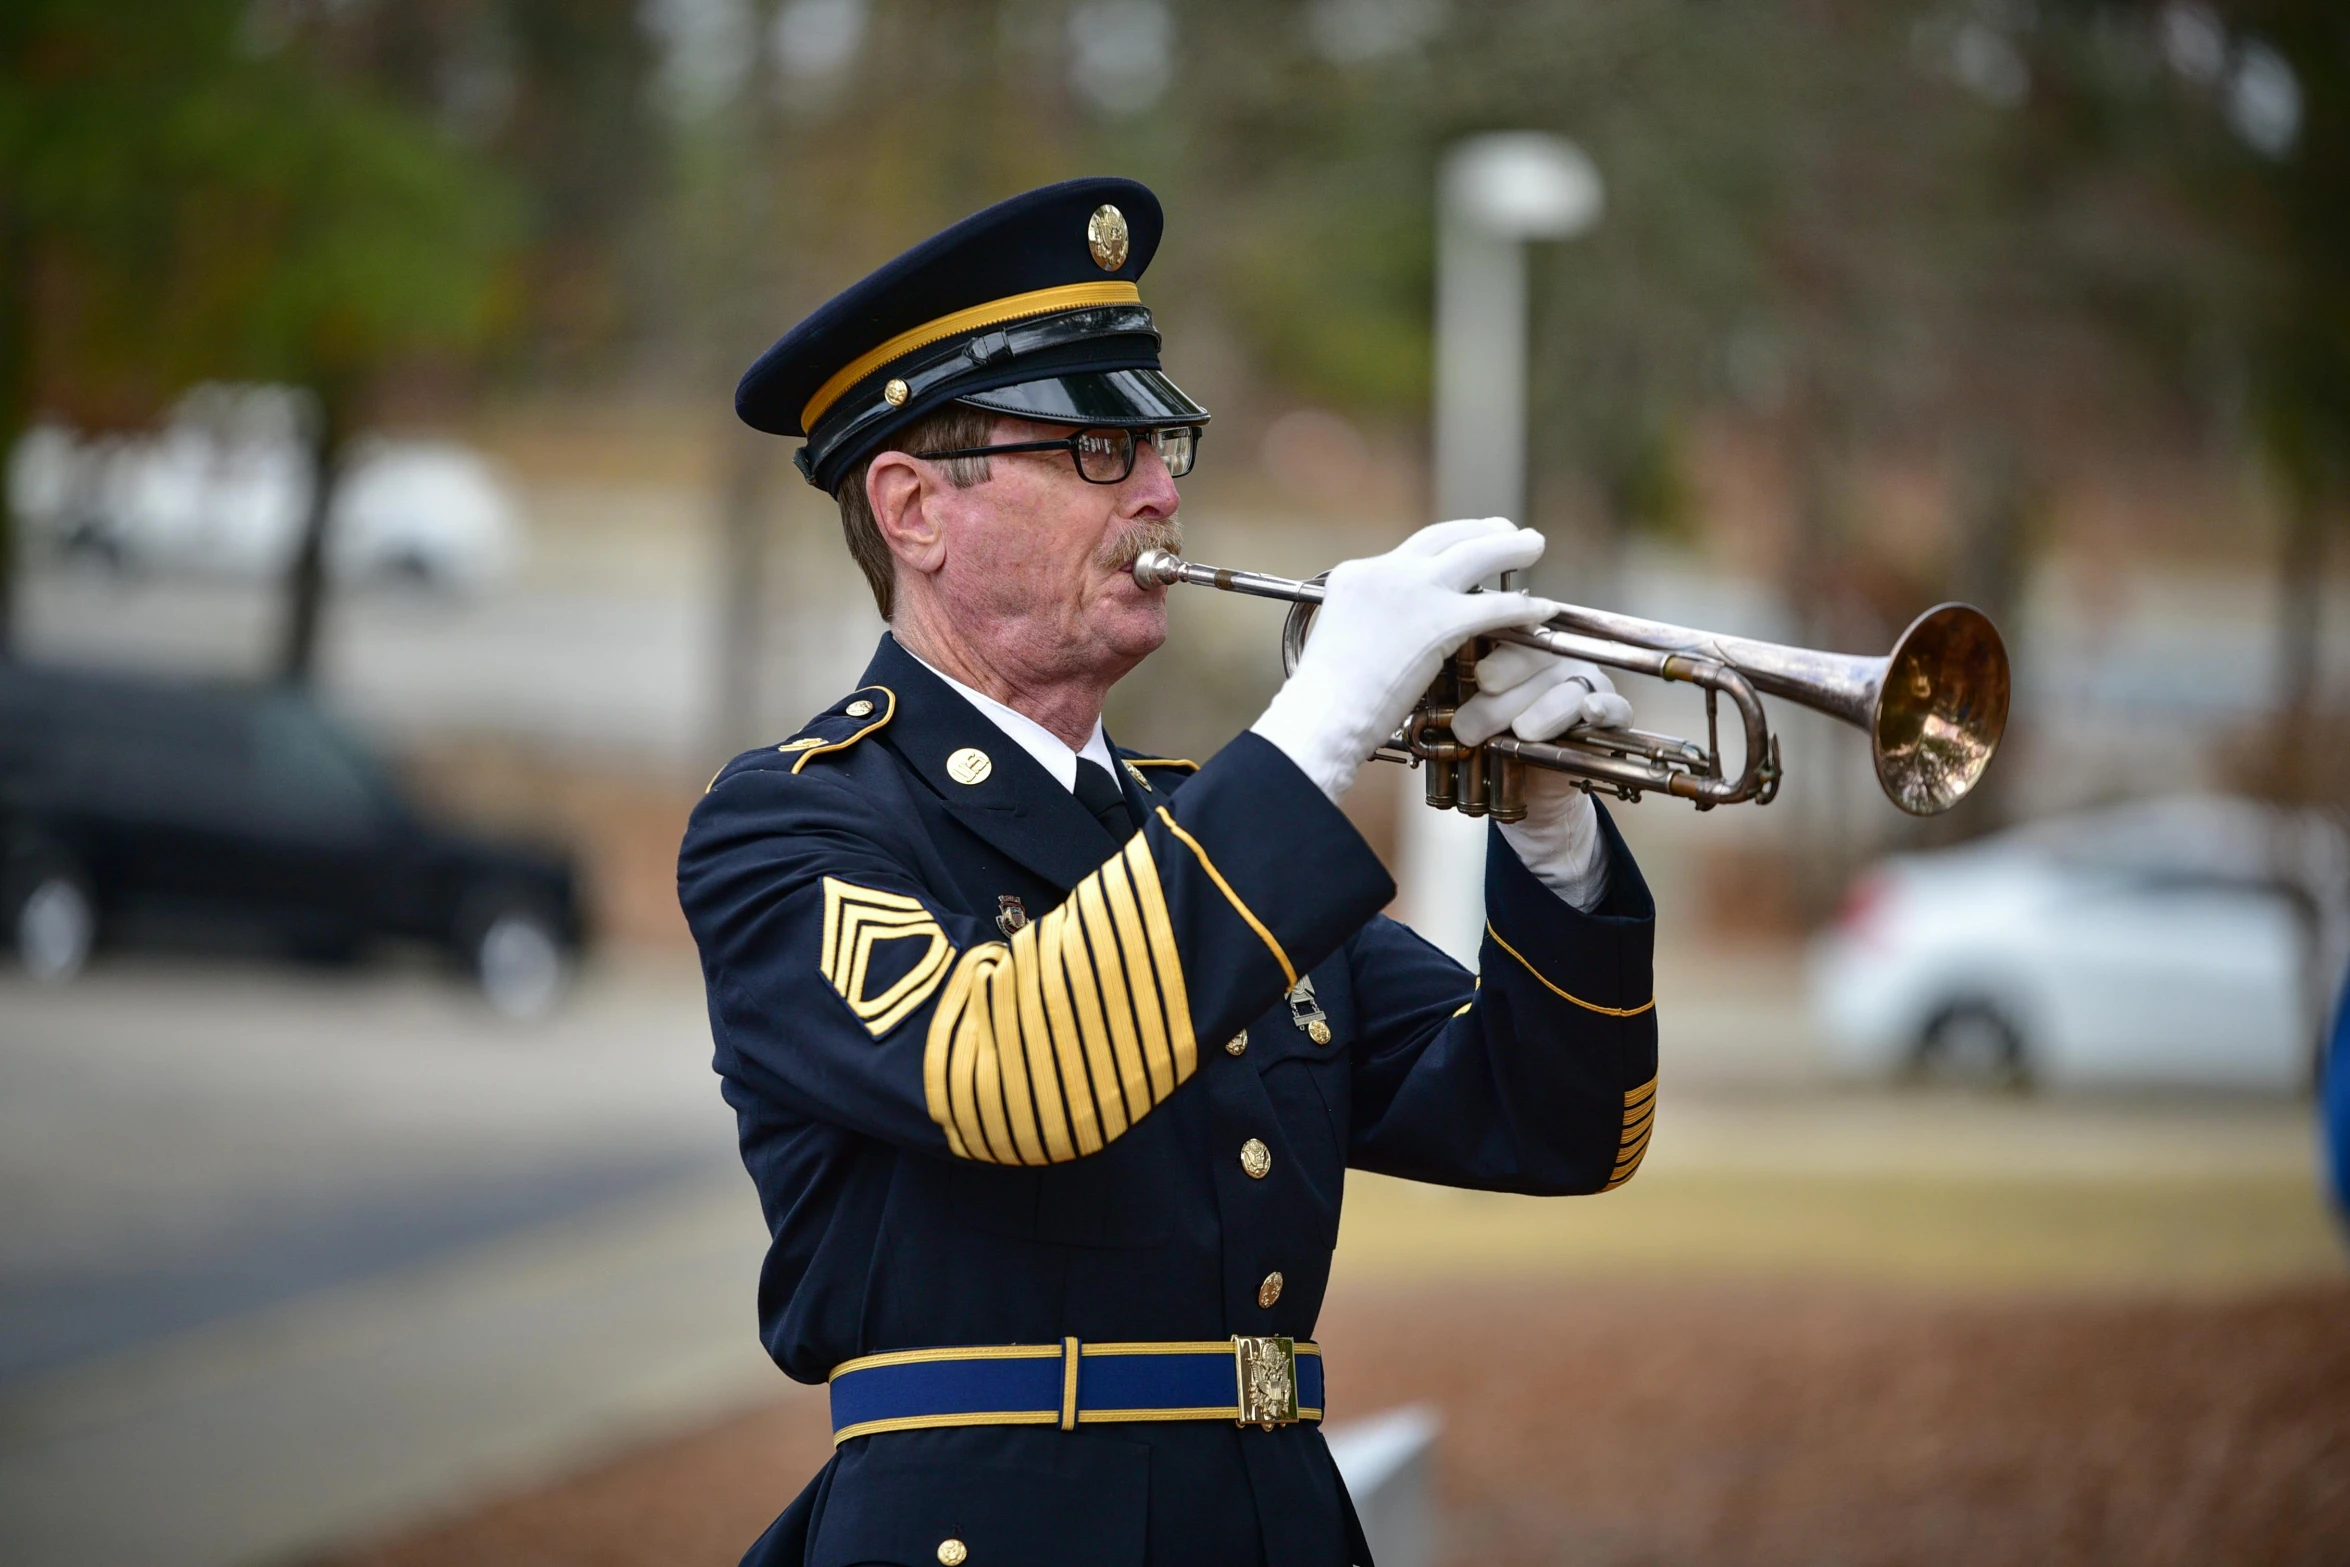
(899, 488)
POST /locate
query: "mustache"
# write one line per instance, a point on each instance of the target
(1122, 552)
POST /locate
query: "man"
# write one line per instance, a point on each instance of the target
(1050, 1057)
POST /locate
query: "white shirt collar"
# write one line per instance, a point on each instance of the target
(1050, 750)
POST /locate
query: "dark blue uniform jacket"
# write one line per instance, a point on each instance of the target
(964, 1137)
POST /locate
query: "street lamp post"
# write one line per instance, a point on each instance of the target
(1496, 194)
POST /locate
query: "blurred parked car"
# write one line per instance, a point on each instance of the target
(2188, 941)
(135, 809)
(224, 487)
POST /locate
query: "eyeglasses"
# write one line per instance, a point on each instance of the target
(1105, 455)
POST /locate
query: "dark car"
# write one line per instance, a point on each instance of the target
(134, 809)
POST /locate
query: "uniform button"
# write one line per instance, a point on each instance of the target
(860, 708)
(1269, 1291)
(952, 1553)
(1256, 1159)
(1237, 1044)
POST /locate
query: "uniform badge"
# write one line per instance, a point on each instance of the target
(969, 766)
(1307, 1013)
(1011, 916)
(1135, 773)
(858, 922)
(1105, 237)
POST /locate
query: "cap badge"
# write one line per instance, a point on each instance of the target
(895, 392)
(1105, 236)
(969, 766)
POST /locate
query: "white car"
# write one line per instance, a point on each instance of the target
(2188, 941)
(223, 489)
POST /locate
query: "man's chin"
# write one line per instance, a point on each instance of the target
(1134, 630)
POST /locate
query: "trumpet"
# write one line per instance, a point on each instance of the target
(1933, 709)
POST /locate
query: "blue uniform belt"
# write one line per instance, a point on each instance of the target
(1254, 1381)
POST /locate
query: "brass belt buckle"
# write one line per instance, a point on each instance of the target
(1267, 1371)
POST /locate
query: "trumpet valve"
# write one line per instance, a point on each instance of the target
(1505, 788)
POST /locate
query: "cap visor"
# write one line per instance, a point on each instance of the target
(1109, 397)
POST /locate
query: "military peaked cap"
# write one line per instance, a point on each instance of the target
(1028, 308)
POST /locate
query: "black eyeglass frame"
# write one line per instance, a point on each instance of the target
(1135, 437)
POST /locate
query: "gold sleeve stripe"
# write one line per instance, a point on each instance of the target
(1085, 1127)
(815, 750)
(1020, 1023)
(1049, 1046)
(1163, 761)
(1288, 969)
(1055, 1118)
(859, 919)
(1588, 1006)
(1160, 929)
(937, 1090)
(1639, 1121)
(1134, 947)
(1093, 1032)
(1128, 1076)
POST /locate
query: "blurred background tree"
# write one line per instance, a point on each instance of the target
(216, 190)
(2239, 116)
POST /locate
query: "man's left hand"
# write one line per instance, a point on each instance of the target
(1540, 696)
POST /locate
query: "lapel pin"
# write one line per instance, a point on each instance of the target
(1307, 1013)
(1011, 915)
(969, 766)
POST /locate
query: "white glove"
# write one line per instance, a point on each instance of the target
(1385, 627)
(1540, 696)
(1537, 696)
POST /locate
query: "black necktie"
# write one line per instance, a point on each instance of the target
(1098, 792)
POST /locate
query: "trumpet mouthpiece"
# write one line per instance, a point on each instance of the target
(1157, 569)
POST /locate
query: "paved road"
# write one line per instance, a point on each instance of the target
(289, 1256)
(182, 1143)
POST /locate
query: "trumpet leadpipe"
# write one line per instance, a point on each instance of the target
(1159, 569)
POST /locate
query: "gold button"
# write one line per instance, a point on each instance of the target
(953, 1553)
(1256, 1159)
(1237, 1044)
(1269, 1291)
(1318, 1031)
(969, 766)
(860, 708)
(896, 392)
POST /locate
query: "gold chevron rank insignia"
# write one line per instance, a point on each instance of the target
(1639, 1121)
(858, 921)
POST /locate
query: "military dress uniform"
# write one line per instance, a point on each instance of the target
(1050, 1112)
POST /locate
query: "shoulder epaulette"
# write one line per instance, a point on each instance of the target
(838, 727)
(1138, 766)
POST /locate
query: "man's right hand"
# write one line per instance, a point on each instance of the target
(1386, 625)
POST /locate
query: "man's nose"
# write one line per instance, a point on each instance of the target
(1150, 488)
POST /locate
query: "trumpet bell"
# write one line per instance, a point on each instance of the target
(1940, 709)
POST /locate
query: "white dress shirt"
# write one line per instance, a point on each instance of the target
(1050, 750)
